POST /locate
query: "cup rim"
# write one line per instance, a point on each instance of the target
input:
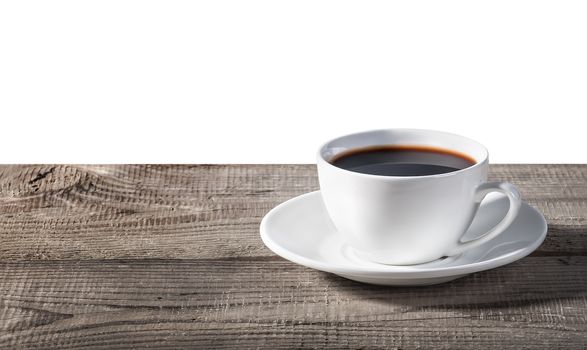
(479, 162)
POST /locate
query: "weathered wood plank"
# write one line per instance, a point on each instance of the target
(73, 274)
(538, 303)
(209, 211)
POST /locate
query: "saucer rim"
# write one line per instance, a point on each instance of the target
(387, 271)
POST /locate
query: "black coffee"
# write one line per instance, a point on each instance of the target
(402, 160)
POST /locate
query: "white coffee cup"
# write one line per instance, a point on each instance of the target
(404, 220)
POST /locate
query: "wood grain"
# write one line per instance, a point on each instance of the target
(169, 256)
(537, 303)
(187, 212)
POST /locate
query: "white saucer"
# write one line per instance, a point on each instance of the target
(301, 231)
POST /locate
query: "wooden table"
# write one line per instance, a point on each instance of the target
(170, 257)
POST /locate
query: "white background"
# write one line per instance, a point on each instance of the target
(268, 81)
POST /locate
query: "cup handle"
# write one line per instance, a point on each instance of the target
(515, 202)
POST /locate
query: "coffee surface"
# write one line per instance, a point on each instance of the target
(402, 160)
